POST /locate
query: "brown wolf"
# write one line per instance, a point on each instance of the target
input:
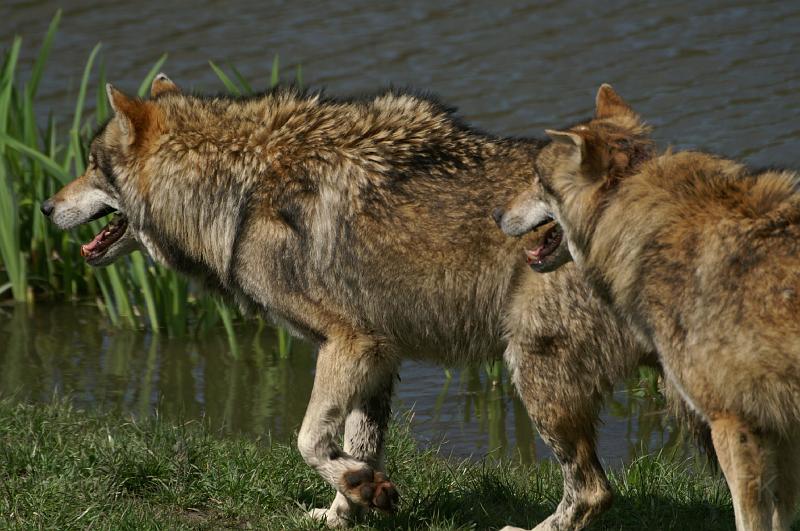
(702, 257)
(363, 225)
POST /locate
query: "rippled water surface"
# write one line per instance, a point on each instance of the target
(249, 386)
(720, 75)
(723, 76)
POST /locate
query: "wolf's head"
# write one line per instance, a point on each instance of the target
(572, 175)
(100, 190)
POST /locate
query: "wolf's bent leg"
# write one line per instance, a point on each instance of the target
(746, 460)
(787, 487)
(349, 367)
(365, 428)
(565, 415)
(364, 436)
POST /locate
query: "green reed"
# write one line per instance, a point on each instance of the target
(37, 261)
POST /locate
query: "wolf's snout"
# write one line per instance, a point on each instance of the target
(47, 207)
(497, 215)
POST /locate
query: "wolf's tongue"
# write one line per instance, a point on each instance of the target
(89, 247)
(532, 255)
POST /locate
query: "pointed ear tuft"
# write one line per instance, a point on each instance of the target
(608, 103)
(565, 137)
(115, 98)
(120, 103)
(131, 114)
(162, 84)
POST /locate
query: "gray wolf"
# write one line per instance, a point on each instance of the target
(701, 256)
(363, 225)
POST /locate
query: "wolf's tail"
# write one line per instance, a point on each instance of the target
(690, 421)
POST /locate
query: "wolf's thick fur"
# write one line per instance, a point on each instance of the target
(365, 226)
(702, 257)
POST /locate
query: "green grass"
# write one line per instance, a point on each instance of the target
(62, 468)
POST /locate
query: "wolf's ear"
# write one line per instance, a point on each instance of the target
(608, 103)
(575, 145)
(162, 84)
(565, 137)
(118, 100)
(132, 113)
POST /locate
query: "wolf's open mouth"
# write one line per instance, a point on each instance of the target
(550, 242)
(105, 238)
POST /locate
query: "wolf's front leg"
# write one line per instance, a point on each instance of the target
(364, 435)
(560, 398)
(353, 381)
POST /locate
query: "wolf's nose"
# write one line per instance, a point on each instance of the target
(497, 214)
(47, 207)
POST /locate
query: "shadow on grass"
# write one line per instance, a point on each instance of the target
(652, 493)
(490, 508)
(660, 512)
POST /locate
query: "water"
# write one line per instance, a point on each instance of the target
(718, 75)
(722, 76)
(249, 388)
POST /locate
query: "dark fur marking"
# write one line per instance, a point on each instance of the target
(181, 261)
(242, 217)
(104, 158)
(601, 286)
(292, 214)
(335, 453)
(743, 262)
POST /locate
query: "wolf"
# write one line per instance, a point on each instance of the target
(365, 226)
(700, 255)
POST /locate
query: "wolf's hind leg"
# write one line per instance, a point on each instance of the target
(787, 486)
(352, 370)
(747, 460)
(364, 436)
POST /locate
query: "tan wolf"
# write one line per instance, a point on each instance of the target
(702, 257)
(364, 226)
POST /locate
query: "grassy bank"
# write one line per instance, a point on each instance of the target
(61, 468)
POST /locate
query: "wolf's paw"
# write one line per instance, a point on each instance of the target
(512, 528)
(371, 489)
(330, 517)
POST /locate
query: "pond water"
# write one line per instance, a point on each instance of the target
(723, 76)
(715, 74)
(248, 387)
